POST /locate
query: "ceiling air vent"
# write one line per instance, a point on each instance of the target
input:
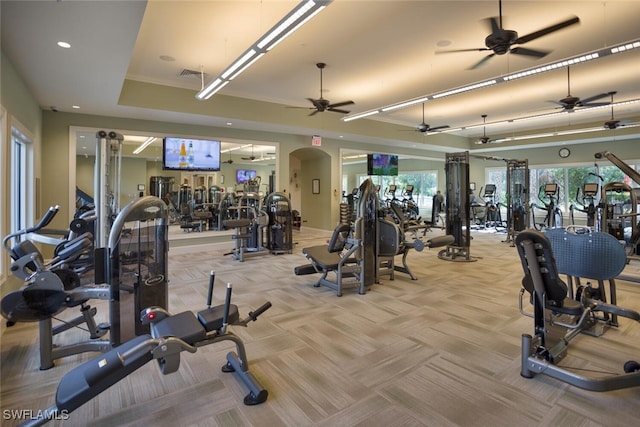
(192, 74)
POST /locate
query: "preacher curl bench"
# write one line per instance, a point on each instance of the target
(559, 319)
(170, 336)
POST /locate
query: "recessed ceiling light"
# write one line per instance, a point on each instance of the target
(64, 44)
(77, 107)
(229, 123)
(443, 43)
(167, 58)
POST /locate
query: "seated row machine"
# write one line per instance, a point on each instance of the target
(558, 319)
(170, 336)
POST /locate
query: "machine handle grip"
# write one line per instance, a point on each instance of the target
(46, 218)
(264, 307)
(212, 278)
(227, 305)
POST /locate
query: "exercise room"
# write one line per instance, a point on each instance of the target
(320, 213)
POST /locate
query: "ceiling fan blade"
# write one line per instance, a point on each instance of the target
(481, 62)
(479, 49)
(340, 104)
(547, 30)
(529, 52)
(594, 98)
(336, 110)
(437, 128)
(313, 113)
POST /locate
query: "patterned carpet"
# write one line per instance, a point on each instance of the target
(443, 350)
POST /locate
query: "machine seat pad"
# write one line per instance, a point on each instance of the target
(560, 306)
(236, 223)
(304, 269)
(327, 261)
(88, 380)
(189, 226)
(211, 318)
(183, 325)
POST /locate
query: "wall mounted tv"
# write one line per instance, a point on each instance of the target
(184, 154)
(244, 175)
(382, 164)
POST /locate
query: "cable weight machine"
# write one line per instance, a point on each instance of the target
(517, 197)
(457, 208)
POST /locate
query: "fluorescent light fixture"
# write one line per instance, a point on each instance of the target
(144, 145)
(264, 158)
(558, 133)
(538, 116)
(464, 89)
(361, 115)
(238, 147)
(405, 104)
(589, 56)
(304, 11)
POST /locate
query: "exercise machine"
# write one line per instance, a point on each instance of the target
(559, 319)
(553, 214)
(280, 226)
(50, 289)
(134, 268)
(586, 199)
(457, 205)
(352, 249)
(517, 197)
(338, 262)
(169, 336)
(393, 241)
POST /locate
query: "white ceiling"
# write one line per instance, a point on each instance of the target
(377, 53)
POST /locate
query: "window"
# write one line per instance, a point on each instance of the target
(425, 185)
(20, 185)
(570, 180)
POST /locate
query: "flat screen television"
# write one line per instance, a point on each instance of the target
(244, 175)
(184, 154)
(382, 164)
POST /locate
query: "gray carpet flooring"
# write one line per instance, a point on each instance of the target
(443, 350)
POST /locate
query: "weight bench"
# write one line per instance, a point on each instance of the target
(339, 258)
(170, 336)
(558, 318)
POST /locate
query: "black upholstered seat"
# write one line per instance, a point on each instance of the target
(183, 325)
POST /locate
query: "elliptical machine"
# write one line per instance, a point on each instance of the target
(588, 205)
(553, 217)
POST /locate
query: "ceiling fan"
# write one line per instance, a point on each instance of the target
(423, 127)
(252, 157)
(613, 123)
(230, 161)
(501, 41)
(320, 105)
(485, 139)
(570, 102)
